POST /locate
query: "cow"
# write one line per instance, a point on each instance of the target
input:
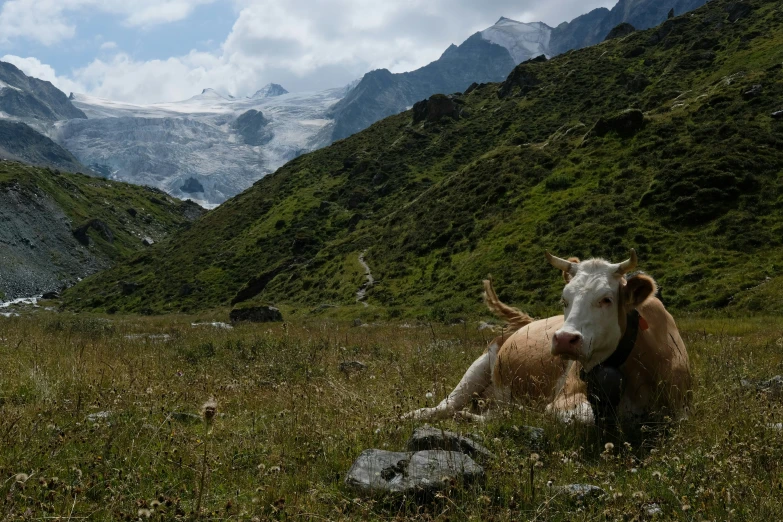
(615, 353)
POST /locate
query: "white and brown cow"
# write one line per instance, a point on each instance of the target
(552, 360)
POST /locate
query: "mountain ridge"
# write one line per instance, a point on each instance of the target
(486, 181)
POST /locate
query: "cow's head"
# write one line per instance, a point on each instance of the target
(596, 299)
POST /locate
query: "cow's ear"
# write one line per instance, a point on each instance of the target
(638, 289)
(566, 276)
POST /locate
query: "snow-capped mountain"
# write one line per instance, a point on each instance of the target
(207, 148)
(522, 41)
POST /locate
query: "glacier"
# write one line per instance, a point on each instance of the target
(192, 145)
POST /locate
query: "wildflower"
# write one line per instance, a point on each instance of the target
(21, 478)
(608, 447)
(428, 395)
(656, 475)
(146, 513)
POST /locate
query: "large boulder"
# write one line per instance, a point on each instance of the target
(437, 107)
(255, 313)
(379, 472)
(523, 79)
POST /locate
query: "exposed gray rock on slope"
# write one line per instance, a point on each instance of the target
(30, 98)
(38, 251)
(19, 142)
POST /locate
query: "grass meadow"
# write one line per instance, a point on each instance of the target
(100, 418)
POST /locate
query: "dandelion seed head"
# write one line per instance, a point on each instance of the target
(209, 409)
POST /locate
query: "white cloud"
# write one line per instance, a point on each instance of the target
(301, 44)
(51, 21)
(107, 46)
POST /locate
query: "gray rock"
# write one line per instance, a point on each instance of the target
(147, 241)
(358, 322)
(429, 438)
(773, 386)
(580, 492)
(256, 314)
(778, 115)
(753, 92)
(653, 509)
(379, 472)
(738, 10)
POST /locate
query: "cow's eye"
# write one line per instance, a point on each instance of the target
(606, 301)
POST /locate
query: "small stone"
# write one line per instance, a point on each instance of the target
(429, 438)
(380, 472)
(653, 509)
(778, 115)
(101, 415)
(147, 241)
(753, 92)
(580, 492)
(358, 322)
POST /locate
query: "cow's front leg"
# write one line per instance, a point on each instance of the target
(475, 382)
(573, 408)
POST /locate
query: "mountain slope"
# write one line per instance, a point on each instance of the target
(380, 93)
(482, 183)
(19, 142)
(26, 98)
(58, 228)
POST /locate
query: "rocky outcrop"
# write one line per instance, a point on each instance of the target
(192, 186)
(252, 127)
(435, 108)
(620, 31)
(255, 313)
(523, 79)
(626, 123)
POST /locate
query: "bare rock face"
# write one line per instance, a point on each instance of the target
(380, 473)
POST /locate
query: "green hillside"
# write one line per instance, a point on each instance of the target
(58, 227)
(692, 177)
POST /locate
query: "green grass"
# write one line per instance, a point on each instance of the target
(290, 424)
(698, 191)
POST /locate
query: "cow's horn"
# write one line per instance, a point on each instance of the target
(627, 265)
(560, 264)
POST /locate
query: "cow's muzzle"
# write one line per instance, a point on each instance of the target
(567, 345)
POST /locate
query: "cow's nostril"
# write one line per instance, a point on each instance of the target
(575, 340)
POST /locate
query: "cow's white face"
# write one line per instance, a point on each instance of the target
(592, 329)
(596, 299)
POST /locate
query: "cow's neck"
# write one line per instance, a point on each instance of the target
(605, 382)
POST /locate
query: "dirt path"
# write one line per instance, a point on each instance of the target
(361, 295)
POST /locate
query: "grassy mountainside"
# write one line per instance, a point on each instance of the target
(534, 163)
(58, 227)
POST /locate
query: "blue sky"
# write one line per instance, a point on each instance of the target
(145, 51)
